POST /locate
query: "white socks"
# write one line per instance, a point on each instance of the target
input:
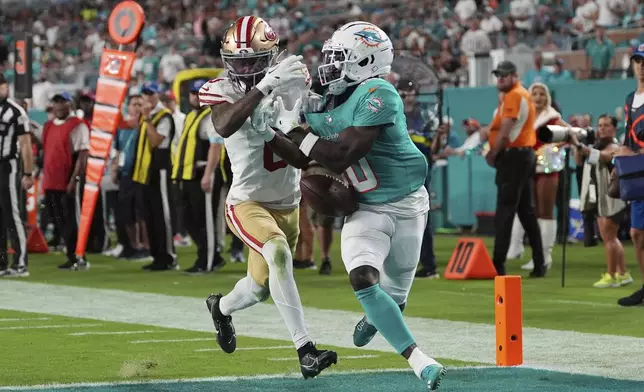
(283, 289)
(419, 361)
(245, 294)
(548, 228)
(516, 240)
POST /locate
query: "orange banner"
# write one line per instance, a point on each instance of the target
(111, 91)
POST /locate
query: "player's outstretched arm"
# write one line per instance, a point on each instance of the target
(352, 145)
(286, 149)
(227, 117)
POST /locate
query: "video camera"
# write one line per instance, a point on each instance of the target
(558, 134)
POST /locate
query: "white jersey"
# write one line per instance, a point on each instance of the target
(258, 174)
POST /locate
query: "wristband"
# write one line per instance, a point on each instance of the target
(27, 174)
(269, 134)
(307, 143)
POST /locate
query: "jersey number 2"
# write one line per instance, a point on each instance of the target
(362, 176)
(270, 163)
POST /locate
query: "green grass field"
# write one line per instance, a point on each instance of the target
(97, 326)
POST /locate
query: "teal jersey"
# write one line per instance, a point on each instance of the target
(394, 168)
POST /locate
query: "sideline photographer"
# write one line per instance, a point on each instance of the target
(610, 212)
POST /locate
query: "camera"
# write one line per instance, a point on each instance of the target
(558, 134)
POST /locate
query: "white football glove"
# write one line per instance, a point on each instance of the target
(286, 71)
(262, 116)
(285, 120)
(314, 103)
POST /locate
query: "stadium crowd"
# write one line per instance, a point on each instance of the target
(69, 35)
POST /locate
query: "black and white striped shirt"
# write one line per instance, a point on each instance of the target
(14, 122)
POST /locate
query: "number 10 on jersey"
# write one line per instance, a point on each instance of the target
(362, 176)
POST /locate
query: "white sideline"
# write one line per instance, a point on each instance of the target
(114, 332)
(50, 326)
(25, 319)
(285, 359)
(567, 351)
(171, 340)
(199, 350)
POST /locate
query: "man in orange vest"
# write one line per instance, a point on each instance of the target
(511, 139)
(65, 145)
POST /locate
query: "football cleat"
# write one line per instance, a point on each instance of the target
(226, 337)
(313, 362)
(363, 333)
(433, 375)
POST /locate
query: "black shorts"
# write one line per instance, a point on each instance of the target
(127, 200)
(619, 217)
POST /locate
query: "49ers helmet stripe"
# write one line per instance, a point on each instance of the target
(245, 31)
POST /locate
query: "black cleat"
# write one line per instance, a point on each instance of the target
(314, 361)
(635, 299)
(326, 268)
(223, 324)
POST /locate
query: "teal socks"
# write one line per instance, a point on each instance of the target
(384, 314)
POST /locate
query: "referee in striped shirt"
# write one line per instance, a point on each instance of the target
(14, 141)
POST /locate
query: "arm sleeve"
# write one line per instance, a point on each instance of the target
(213, 93)
(80, 138)
(379, 106)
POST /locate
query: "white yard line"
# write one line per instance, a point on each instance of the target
(114, 332)
(25, 319)
(199, 350)
(566, 351)
(50, 326)
(171, 340)
(343, 358)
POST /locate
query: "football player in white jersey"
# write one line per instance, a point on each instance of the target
(262, 204)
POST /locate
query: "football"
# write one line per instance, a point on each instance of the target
(328, 193)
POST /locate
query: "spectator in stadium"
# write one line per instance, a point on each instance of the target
(475, 41)
(150, 64)
(600, 52)
(134, 245)
(490, 23)
(171, 63)
(634, 144)
(151, 175)
(422, 138)
(596, 161)
(610, 13)
(586, 14)
(220, 186)
(512, 139)
(522, 13)
(65, 146)
(560, 74)
(192, 166)
(465, 9)
(538, 74)
(473, 141)
(179, 230)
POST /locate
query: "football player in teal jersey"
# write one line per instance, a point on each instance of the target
(361, 131)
